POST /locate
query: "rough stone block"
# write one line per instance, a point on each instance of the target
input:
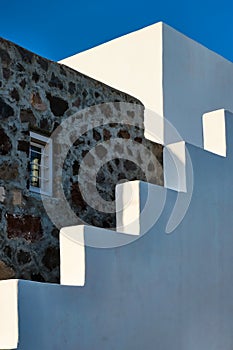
(6, 272)
(8, 171)
(37, 102)
(58, 105)
(17, 197)
(27, 116)
(5, 110)
(24, 226)
(2, 194)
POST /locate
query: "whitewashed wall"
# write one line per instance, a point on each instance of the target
(172, 75)
(159, 292)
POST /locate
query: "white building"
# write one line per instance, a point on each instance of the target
(161, 291)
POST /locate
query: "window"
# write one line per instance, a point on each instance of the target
(40, 164)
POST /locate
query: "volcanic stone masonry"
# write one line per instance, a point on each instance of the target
(38, 95)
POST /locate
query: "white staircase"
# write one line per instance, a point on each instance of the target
(149, 289)
(164, 280)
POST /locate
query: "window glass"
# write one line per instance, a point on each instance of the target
(35, 166)
(40, 164)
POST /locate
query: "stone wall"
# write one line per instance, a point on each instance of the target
(39, 95)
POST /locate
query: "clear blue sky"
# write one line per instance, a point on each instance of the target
(57, 29)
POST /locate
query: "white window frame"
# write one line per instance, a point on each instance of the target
(46, 176)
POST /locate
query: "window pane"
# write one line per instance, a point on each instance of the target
(35, 166)
(40, 164)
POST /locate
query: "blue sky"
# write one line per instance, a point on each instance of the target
(57, 29)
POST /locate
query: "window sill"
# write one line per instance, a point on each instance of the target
(39, 191)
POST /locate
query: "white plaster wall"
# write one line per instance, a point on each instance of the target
(196, 80)
(126, 64)
(72, 256)
(171, 74)
(214, 130)
(131, 63)
(159, 292)
(9, 330)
